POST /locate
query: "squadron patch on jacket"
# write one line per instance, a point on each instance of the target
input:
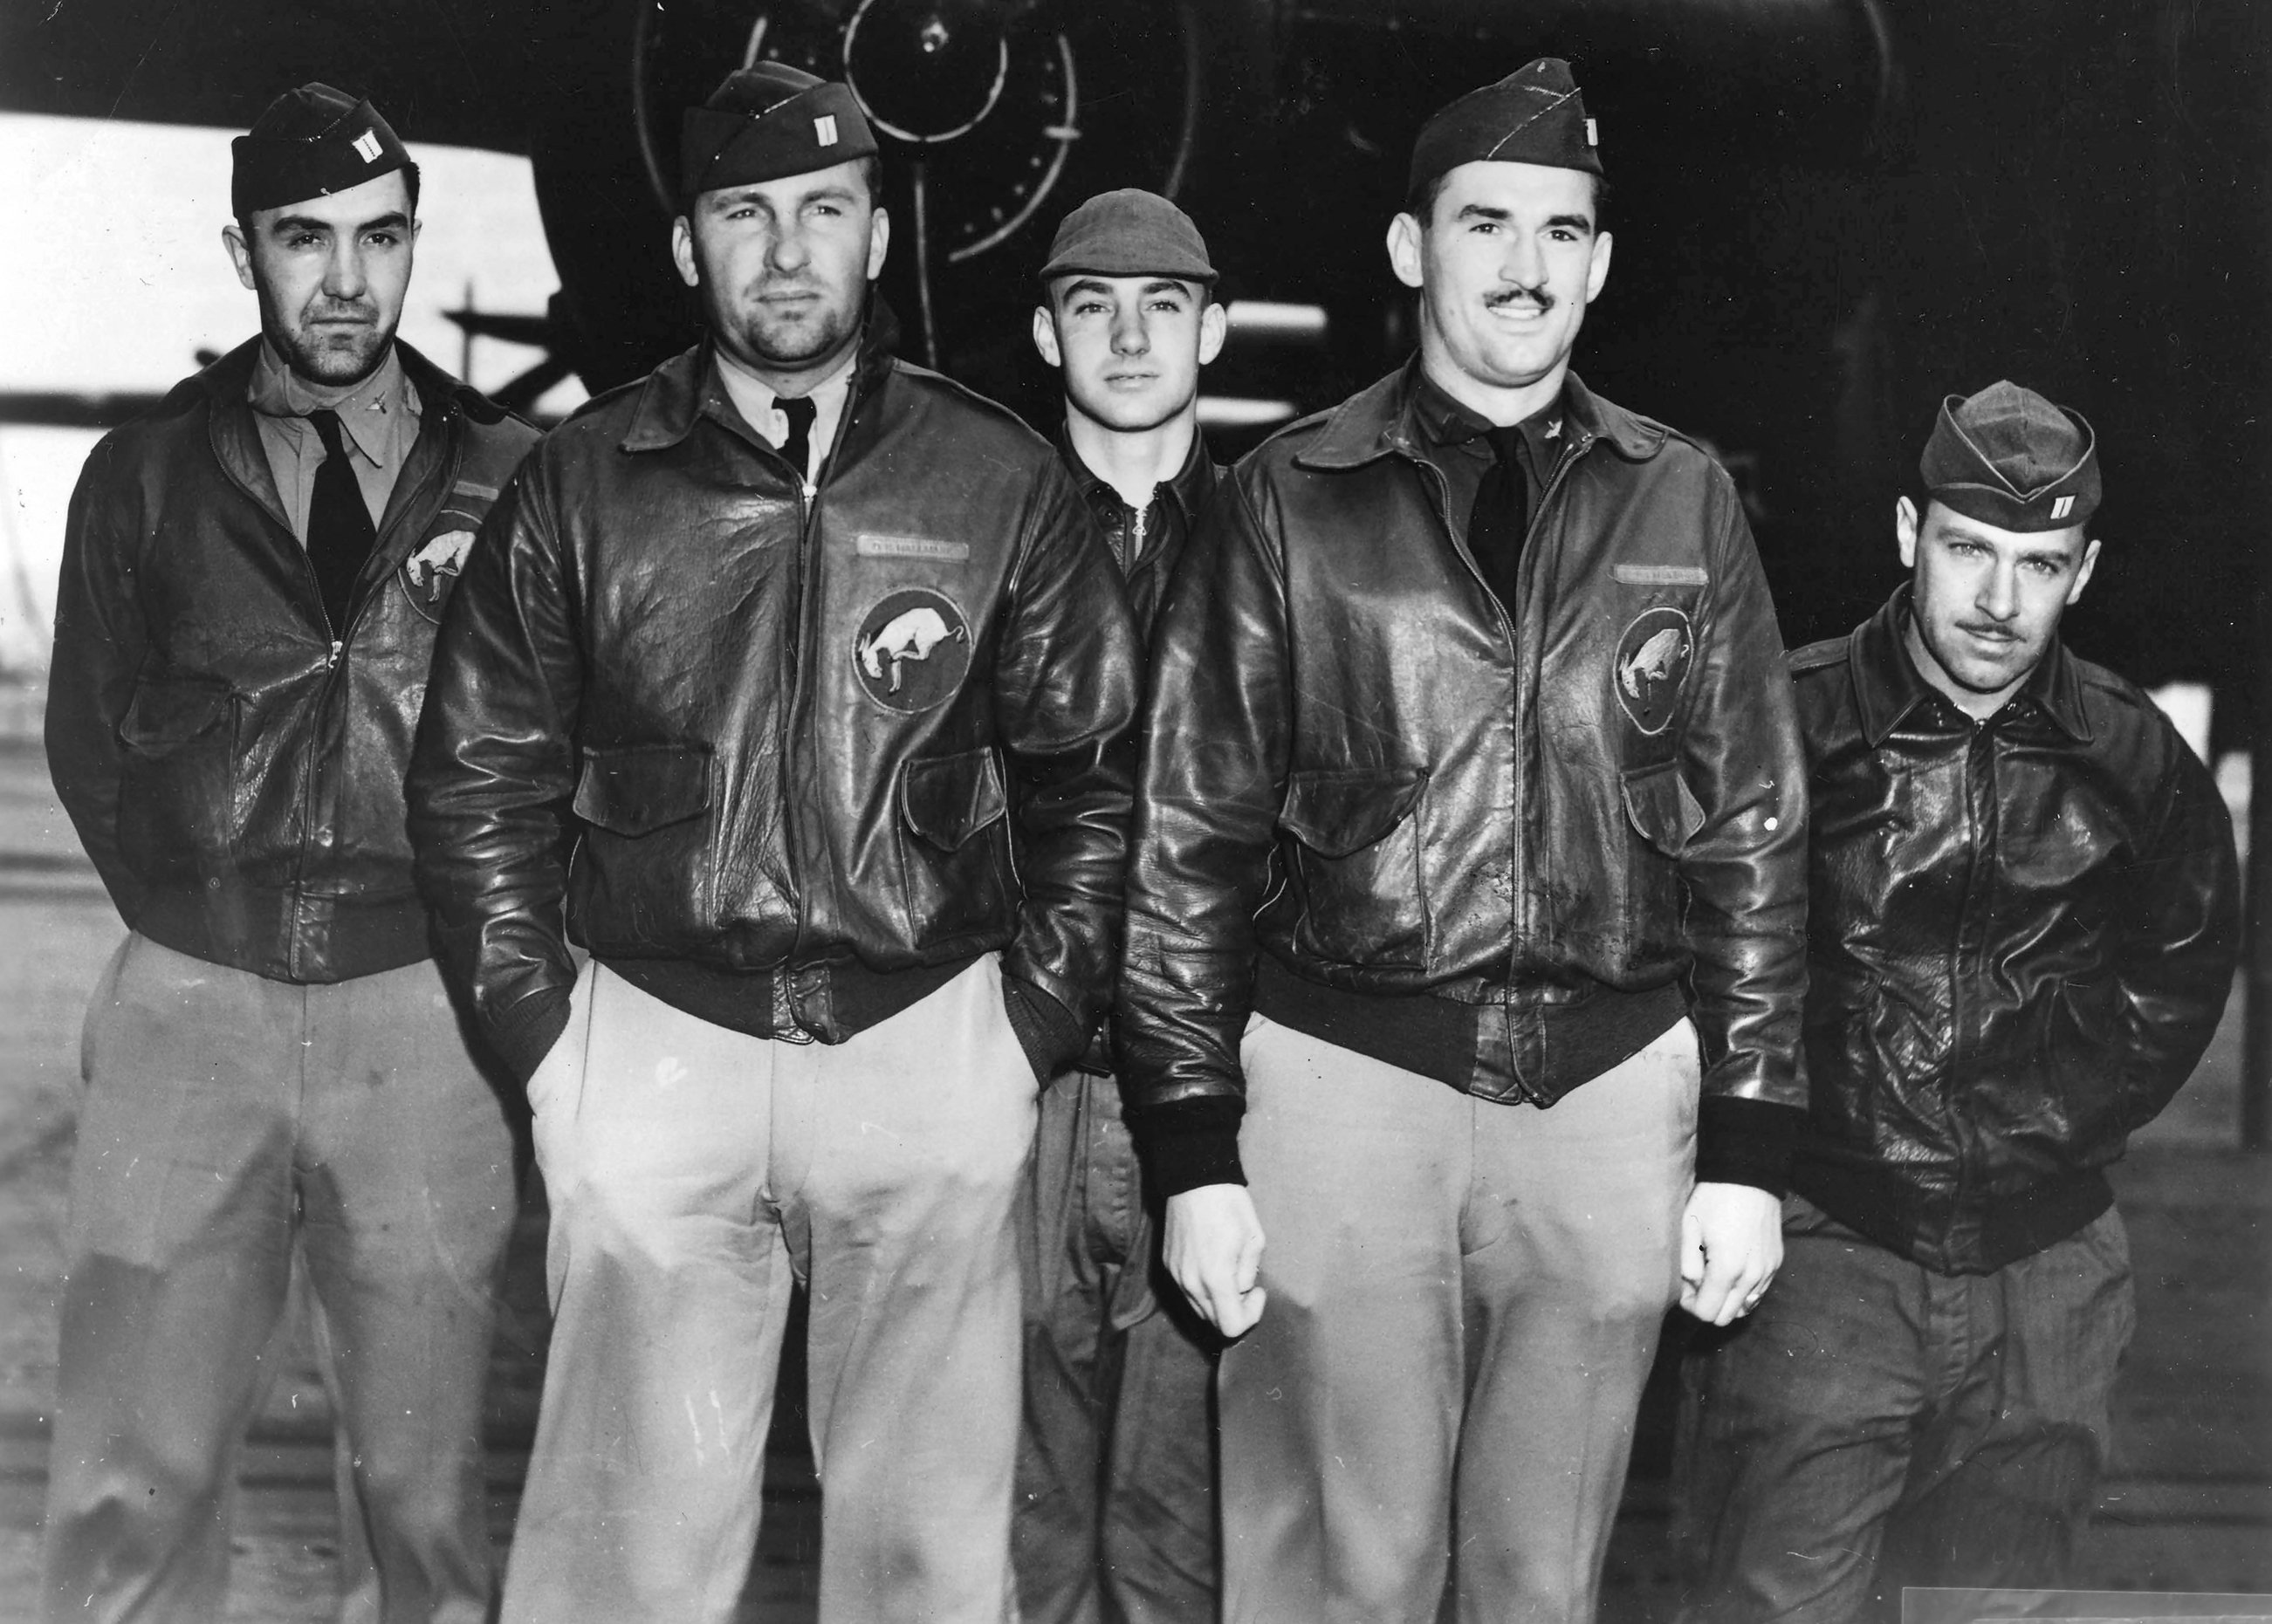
(1651, 661)
(913, 650)
(429, 573)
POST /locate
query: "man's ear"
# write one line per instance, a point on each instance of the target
(1598, 268)
(1214, 327)
(682, 251)
(1905, 531)
(1045, 336)
(1404, 234)
(879, 239)
(2082, 572)
(240, 252)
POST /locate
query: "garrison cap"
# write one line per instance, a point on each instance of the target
(767, 121)
(1534, 115)
(1129, 232)
(311, 142)
(2008, 457)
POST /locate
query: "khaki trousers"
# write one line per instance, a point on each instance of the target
(225, 1117)
(694, 1174)
(1464, 1301)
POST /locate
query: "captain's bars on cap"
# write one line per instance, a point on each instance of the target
(1534, 115)
(311, 143)
(2008, 457)
(765, 123)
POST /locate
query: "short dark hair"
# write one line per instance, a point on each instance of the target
(1420, 203)
(409, 173)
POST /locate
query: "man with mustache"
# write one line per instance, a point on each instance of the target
(251, 580)
(1469, 842)
(2023, 918)
(815, 663)
(1116, 1480)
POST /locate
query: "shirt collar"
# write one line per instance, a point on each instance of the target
(1887, 685)
(1443, 419)
(378, 413)
(1186, 487)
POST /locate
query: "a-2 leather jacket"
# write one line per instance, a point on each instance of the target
(2021, 933)
(1149, 544)
(235, 772)
(1357, 761)
(807, 735)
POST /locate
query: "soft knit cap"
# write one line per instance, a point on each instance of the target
(1129, 232)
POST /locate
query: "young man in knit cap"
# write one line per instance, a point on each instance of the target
(251, 579)
(1115, 1481)
(1470, 833)
(817, 664)
(2023, 916)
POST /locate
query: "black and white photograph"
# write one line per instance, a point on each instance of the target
(1135, 811)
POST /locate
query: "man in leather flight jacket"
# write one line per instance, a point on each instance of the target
(2023, 926)
(251, 580)
(1469, 832)
(817, 662)
(1116, 1514)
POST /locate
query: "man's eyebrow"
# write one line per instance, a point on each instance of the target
(396, 222)
(1482, 211)
(1575, 222)
(1085, 285)
(1167, 285)
(284, 223)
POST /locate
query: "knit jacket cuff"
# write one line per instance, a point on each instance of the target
(1746, 1142)
(1046, 1030)
(524, 1034)
(1188, 1143)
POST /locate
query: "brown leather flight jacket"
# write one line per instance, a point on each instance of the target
(2021, 934)
(1359, 763)
(876, 726)
(235, 773)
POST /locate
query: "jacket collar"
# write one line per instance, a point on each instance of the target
(1887, 685)
(226, 382)
(686, 386)
(1378, 421)
(1188, 487)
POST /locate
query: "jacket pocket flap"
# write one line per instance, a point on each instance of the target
(1658, 801)
(632, 789)
(947, 798)
(1341, 810)
(165, 714)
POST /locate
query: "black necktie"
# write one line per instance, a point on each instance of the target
(798, 447)
(340, 531)
(1500, 516)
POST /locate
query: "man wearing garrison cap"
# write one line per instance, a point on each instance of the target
(252, 575)
(1115, 1468)
(794, 682)
(1469, 838)
(2022, 923)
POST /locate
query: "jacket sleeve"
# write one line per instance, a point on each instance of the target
(1217, 728)
(493, 771)
(100, 644)
(2180, 942)
(1744, 866)
(1066, 690)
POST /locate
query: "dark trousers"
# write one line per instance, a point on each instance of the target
(226, 1118)
(1876, 1425)
(1116, 1509)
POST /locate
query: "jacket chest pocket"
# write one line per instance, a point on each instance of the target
(177, 811)
(1354, 866)
(954, 847)
(646, 862)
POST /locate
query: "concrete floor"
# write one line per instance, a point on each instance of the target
(2187, 1507)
